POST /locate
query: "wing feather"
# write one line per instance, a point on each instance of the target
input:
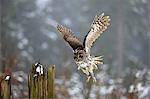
(99, 25)
(69, 36)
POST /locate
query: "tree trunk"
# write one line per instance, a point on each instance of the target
(120, 36)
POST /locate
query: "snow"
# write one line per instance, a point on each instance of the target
(30, 14)
(44, 45)
(39, 69)
(24, 41)
(7, 77)
(51, 35)
(67, 21)
(145, 92)
(131, 89)
(51, 22)
(20, 45)
(20, 79)
(41, 4)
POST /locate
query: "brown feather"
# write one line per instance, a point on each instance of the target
(69, 36)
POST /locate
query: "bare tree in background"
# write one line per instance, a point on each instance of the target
(120, 36)
(9, 52)
(139, 28)
(8, 48)
(0, 33)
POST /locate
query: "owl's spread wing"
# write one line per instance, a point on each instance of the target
(68, 36)
(99, 25)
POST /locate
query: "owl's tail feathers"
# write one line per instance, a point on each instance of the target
(98, 60)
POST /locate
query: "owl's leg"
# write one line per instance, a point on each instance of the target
(91, 76)
(85, 70)
(88, 78)
(94, 66)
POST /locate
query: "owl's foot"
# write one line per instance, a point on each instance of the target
(79, 67)
(85, 70)
(94, 79)
(90, 77)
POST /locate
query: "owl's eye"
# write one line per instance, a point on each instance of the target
(80, 56)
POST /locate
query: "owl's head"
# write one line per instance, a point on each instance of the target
(79, 55)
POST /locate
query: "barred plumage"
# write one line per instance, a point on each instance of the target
(69, 36)
(99, 25)
(82, 57)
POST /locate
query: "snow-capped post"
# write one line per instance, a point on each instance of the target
(41, 82)
(37, 82)
(50, 81)
(6, 88)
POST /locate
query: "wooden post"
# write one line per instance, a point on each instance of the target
(6, 88)
(50, 81)
(132, 95)
(116, 94)
(32, 85)
(41, 86)
(36, 84)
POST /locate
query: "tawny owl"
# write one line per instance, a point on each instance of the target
(82, 57)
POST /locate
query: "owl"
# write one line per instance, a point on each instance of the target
(86, 62)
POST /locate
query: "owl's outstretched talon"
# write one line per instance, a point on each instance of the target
(88, 78)
(85, 70)
(94, 79)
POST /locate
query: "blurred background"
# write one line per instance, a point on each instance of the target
(28, 35)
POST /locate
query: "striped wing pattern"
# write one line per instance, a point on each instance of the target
(99, 25)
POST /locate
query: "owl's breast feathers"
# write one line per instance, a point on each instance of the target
(79, 54)
(86, 62)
